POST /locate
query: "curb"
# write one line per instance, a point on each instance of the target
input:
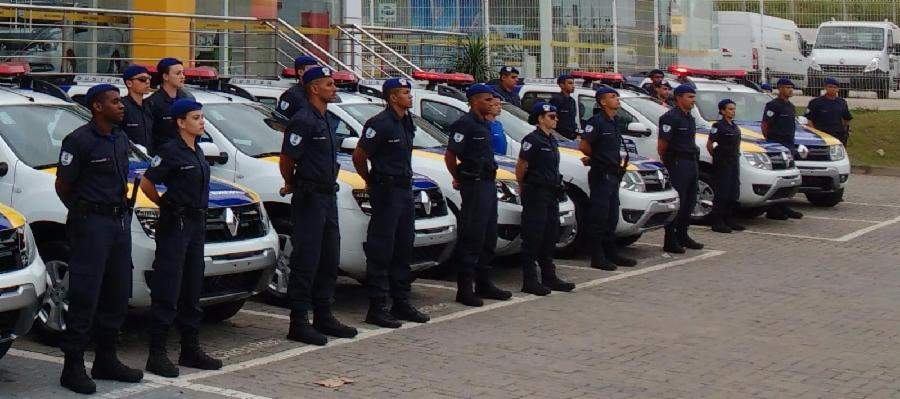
(875, 170)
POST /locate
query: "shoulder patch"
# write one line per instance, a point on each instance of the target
(666, 128)
(65, 158)
(589, 128)
(284, 105)
(458, 137)
(295, 139)
(526, 146)
(156, 161)
(713, 130)
(769, 113)
(370, 133)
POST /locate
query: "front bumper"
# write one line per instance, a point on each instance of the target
(824, 177)
(876, 80)
(761, 187)
(642, 212)
(434, 241)
(21, 292)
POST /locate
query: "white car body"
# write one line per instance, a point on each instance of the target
(23, 277)
(860, 55)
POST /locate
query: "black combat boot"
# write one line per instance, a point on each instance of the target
(108, 367)
(599, 260)
(325, 323)
(379, 315)
(301, 331)
(612, 253)
(671, 242)
(534, 287)
(403, 310)
(729, 219)
(486, 289)
(776, 212)
(158, 360)
(74, 376)
(688, 242)
(193, 356)
(465, 293)
(551, 280)
(791, 213)
(717, 223)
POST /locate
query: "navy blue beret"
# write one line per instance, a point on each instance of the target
(316, 73)
(182, 106)
(395, 83)
(765, 86)
(167, 62)
(605, 90)
(831, 81)
(478, 88)
(509, 69)
(303, 61)
(785, 82)
(133, 71)
(724, 103)
(98, 89)
(562, 78)
(540, 107)
(684, 88)
(656, 72)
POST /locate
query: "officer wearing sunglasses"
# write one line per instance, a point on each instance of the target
(138, 121)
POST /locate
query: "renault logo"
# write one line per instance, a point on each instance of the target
(802, 151)
(426, 202)
(232, 221)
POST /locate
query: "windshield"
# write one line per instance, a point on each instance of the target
(850, 37)
(427, 135)
(515, 122)
(648, 108)
(244, 126)
(749, 106)
(35, 132)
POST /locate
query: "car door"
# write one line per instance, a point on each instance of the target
(440, 114)
(7, 174)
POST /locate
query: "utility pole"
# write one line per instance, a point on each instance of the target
(762, 42)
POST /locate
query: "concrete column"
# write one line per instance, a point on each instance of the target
(353, 14)
(546, 23)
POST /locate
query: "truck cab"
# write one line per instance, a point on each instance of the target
(860, 55)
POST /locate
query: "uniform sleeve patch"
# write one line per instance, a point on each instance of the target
(714, 130)
(769, 113)
(295, 139)
(65, 158)
(370, 133)
(156, 161)
(526, 146)
(458, 137)
(284, 105)
(666, 128)
(589, 128)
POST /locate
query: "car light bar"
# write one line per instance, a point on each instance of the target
(201, 73)
(438, 77)
(682, 70)
(338, 76)
(602, 76)
(14, 69)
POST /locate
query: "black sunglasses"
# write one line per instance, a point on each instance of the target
(142, 79)
(553, 116)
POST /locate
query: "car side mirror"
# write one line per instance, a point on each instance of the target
(348, 144)
(4, 169)
(638, 129)
(213, 154)
(276, 124)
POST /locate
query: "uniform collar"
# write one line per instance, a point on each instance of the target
(183, 146)
(394, 115)
(112, 136)
(478, 118)
(681, 112)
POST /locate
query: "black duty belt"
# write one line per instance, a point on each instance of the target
(310, 186)
(686, 156)
(390, 180)
(101, 209)
(183, 211)
(484, 175)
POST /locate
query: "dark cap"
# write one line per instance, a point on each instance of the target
(605, 90)
(166, 63)
(94, 91)
(182, 106)
(303, 61)
(508, 70)
(478, 88)
(562, 78)
(395, 83)
(785, 82)
(133, 71)
(684, 89)
(316, 73)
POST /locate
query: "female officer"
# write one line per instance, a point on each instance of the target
(180, 233)
(724, 144)
(170, 79)
(537, 171)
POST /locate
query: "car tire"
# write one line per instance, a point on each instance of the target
(826, 200)
(222, 311)
(705, 195)
(582, 208)
(4, 347)
(282, 271)
(49, 324)
(623, 242)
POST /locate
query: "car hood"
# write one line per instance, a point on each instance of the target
(803, 135)
(506, 166)
(569, 148)
(221, 193)
(851, 57)
(10, 219)
(751, 141)
(347, 174)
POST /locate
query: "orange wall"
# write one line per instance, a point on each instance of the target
(264, 9)
(140, 38)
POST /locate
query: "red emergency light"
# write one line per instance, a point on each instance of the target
(601, 76)
(14, 69)
(682, 71)
(437, 77)
(340, 77)
(201, 73)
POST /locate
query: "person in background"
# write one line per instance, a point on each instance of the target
(656, 78)
(779, 124)
(663, 95)
(170, 77)
(138, 122)
(294, 98)
(724, 144)
(830, 113)
(566, 107)
(498, 135)
(509, 78)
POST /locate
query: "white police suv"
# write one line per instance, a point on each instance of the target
(23, 278)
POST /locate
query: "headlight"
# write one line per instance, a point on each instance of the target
(362, 199)
(873, 65)
(508, 191)
(264, 218)
(813, 65)
(758, 160)
(837, 152)
(148, 217)
(27, 248)
(632, 181)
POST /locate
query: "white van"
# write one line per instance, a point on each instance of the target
(860, 55)
(784, 49)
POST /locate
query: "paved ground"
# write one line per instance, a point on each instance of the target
(803, 309)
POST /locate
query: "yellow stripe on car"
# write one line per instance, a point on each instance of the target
(16, 219)
(354, 180)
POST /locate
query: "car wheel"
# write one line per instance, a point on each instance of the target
(276, 290)
(567, 247)
(222, 311)
(826, 200)
(705, 196)
(623, 242)
(51, 318)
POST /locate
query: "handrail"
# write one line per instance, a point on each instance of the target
(126, 12)
(375, 53)
(316, 46)
(415, 31)
(385, 46)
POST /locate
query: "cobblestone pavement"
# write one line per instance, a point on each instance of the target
(794, 309)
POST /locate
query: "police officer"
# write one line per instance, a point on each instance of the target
(779, 123)
(509, 78)
(724, 144)
(92, 182)
(566, 107)
(663, 95)
(178, 270)
(138, 122)
(309, 168)
(170, 78)
(656, 78)
(537, 172)
(387, 142)
(603, 145)
(766, 88)
(470, 161)
(294, 98)
(679, 153)
(830, 113)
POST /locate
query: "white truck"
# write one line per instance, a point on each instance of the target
(23, 278)
(860, 55)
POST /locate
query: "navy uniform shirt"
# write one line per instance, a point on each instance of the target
(291, 101)
(511, 97)
(602, 133)
(728, 137)
(829, 115)
(567, 110)
(679, 129)
(96, 165)
(388, 139)
(164, 127)
(138, 123)
(470, 139)
(185, 173)
(310, 142)
(541, 151)
(782, 119)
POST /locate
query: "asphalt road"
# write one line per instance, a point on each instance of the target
(803, 309)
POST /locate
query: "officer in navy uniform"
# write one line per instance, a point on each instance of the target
(724, 143)
(779, 124)
(603, 145)
(138, 122)
(177, 280)
(830, 113)
(656, 79)
(509, 78)
(309, 168)
(566, 107)
(294, 98)
(170, 78)
(387, 142)
(92, 181)
(470, 161)
(537, 171)
(679, 153)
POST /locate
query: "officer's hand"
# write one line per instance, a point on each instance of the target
(284, 191)
(586, 161)
(455, 184)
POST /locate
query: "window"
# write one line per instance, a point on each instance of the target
(850, 38)
(586, 105)
(35, 132)
(268, 101)
(342, 129)
(441, 115)
(532, 97)
(244, 126)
